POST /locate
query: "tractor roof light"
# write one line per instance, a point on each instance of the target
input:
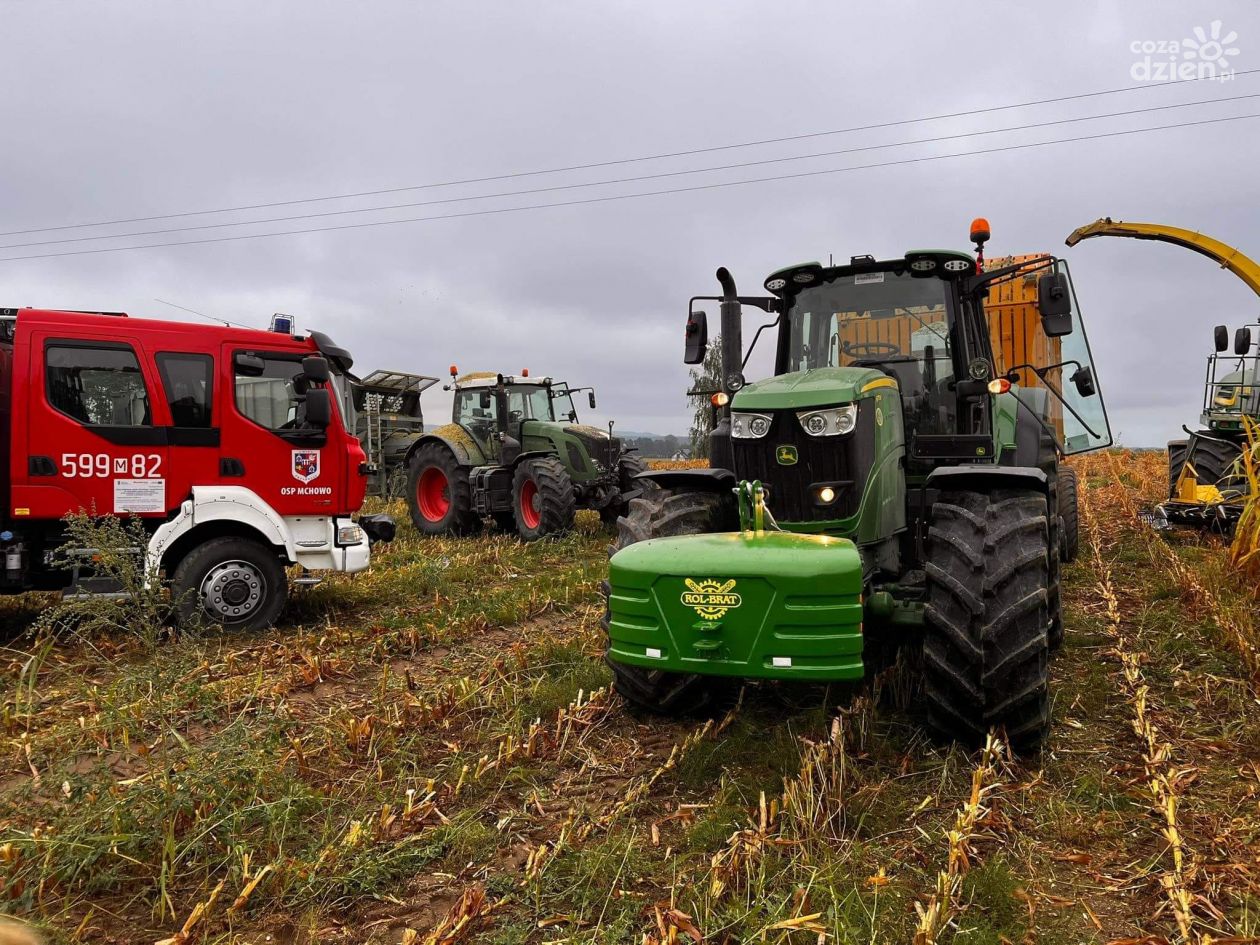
(454, 371)
(980, 231)
(524, 372)
(923, 264)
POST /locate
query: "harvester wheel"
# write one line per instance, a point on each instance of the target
(660, 513)
(1215, 463)
(985, 646)
(1069, 515)
(542, 498)
(629, 467)
(438, 495)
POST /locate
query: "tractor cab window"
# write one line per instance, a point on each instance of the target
(188, 380)
(529, 403)
(97, 385)
(275, 397)
(477, 410)
(893, 323)
(1056, 377)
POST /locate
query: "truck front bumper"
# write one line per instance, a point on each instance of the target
(769, 605)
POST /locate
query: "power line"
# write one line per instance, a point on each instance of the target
(624, 180)
(654, 193)
(620, 161)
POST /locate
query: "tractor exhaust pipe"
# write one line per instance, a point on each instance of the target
(720, 454)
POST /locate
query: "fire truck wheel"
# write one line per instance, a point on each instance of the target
(542, 498)
(233, 583)
(438, 494)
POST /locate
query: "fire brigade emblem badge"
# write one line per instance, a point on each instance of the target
(305, 465)
(711, 599)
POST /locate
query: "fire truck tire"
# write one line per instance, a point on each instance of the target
(439, 497)
(985, 648)
(543, 499)
(628, 467)
(660, 513)
(234, 583)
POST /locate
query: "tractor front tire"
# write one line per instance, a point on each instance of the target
(1069, 515)
(985, 650)
(660, 513)
(627, 468)
(542, 498)
(233, 583)
(439, 497)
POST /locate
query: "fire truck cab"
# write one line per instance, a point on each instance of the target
(227, 443)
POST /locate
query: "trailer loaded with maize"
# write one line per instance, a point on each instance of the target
(896, 481)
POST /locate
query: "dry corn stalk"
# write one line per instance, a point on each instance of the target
(944, 900)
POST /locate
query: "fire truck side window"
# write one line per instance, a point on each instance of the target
(271, 399)
(98, 386)
(188, 379)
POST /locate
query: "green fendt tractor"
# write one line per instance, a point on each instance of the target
(896, 481)
(510, 455)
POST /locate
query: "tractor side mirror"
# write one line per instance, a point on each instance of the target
(484, 401)
(590, 399)
(250, 365)
(319, 408)
(1054, 301)
(1083, 380)
(316, 369)
(696, 337)
(1222, 338)
(1242, 342)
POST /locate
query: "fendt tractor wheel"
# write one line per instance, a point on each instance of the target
(629, 467)
(985, 647)
(438, 495)
(1069, 515)
(1215, 464)
(542, 498)
(233, 583)
(660, 513)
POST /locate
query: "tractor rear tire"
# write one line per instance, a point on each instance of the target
(1069, 515)
(627, 468)
(542, 498)
(1215, 464)
(233, 583)
(985, 651)
(439, 497)
(660, 513)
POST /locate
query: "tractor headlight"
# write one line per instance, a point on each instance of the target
(750, 426)
(834, 421)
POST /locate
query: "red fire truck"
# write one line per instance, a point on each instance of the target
(227, 443)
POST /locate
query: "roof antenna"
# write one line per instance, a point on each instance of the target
(193, 311)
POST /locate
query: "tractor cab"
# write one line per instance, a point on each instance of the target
(1232, 388)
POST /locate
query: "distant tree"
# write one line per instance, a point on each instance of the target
(705, 378)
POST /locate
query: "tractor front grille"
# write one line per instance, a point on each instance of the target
(819, 459)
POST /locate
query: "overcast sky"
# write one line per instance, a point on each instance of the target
(131, 109)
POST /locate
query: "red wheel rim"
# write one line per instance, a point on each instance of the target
(433, 495)
(529, 504)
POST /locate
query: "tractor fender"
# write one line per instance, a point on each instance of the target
(456, 439)
(235, 504)
(987, 478)
(531, 454)
(693, 480)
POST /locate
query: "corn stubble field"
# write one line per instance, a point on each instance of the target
(428, 753)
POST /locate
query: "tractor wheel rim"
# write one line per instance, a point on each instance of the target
(433, 494)
(529, 504)
(232, 591)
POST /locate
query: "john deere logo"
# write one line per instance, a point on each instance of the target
(786, 455)
(710, 599)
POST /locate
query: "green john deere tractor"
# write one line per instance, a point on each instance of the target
(897, 481)
(510, 455)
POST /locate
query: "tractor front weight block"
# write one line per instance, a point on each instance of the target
(761, 605)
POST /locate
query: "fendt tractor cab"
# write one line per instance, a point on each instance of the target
(515, 452)
(896, 481)
(1207, 482)
(387, 419)
(227, 443)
